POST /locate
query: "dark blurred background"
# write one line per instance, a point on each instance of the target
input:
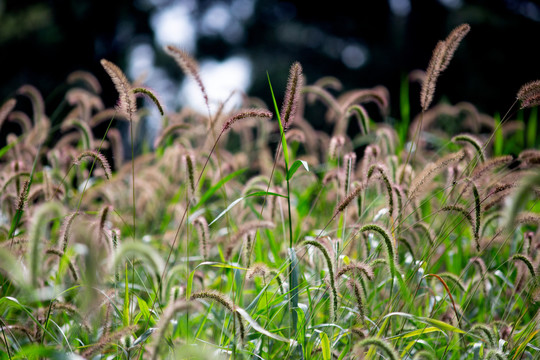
(237, 41)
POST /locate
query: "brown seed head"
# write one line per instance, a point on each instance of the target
(251, 113)
(292, 95)
(529, 94)
(127, 103)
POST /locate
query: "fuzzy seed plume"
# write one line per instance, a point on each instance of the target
(65, 230)
(215, 296)
(292, 95)
(382, 345)
(38, 104)
(6, 108)
(388, 245)
(432, 73)
(347, 201)
(22, 199)
(354, 287)
(487, 332)
(86, 78)
(431, 170)
(474, 141)
(295, 135)
(259, 269)
(248, 247)
(378, 95)
(97, 156)
(490, 165)
(529, 94)
(443, 53)
(350, 164)
(189, 66)
(361, 268)
(204, 234)
(361, 115)
(251, 226)
(479, 262)
(103, 214)
(71, 265)
(227, 303)
(188, 161)
(336, 143)
(526, 217)
(106, 341)
(478, 215)
(527, 261)
(127, 103)
(333, 293)
(245, 114)
(150, 94)
(452, 42)
(383, 173)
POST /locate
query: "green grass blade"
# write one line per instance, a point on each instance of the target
(125, 311)
(6, 148)
(259, 328)
(293, 289)
(295, 167)
(418, 332)
(498, 142)
(216, 187)
(235, 202)
(283, 140)
(325, 345)
(143, 306)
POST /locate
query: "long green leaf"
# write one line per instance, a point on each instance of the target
(125, 312)
(522, 346)
(295, 167)
(282, 132)
(216, 187)
(437, 323)
(235, 202)
(325, 345)
(260, 329)
(293, 291)
(6, 148)
(418, 332)
(143, 306)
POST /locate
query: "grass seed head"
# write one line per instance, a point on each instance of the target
(292, 95)
(529, 94)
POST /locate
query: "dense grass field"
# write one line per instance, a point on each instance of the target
(250, 234)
